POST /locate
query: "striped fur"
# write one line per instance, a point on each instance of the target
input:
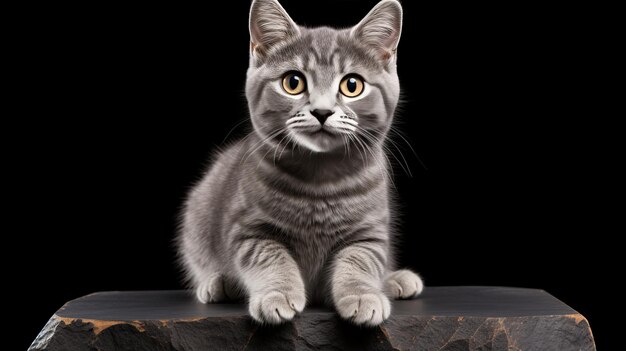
(289, 214)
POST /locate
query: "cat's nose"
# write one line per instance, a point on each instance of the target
(322, 115)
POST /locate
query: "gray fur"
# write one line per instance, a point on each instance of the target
(291, 214)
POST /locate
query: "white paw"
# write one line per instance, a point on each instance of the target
(367, 309)
(275, 306)
(403, 284)
(211, 290)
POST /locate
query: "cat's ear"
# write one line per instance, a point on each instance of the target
(381, 28)
(269, 25)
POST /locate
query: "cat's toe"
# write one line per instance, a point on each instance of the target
(211, 290)
(403, 284)
(276, 307)
(366, 309)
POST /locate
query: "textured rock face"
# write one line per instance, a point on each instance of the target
(446, 318)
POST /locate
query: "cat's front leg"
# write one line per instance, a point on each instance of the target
(272, 279)
(357, 283)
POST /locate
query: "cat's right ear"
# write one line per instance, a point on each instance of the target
(269, 25)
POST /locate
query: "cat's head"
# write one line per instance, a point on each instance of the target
(321, 88)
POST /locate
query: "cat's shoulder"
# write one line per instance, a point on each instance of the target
(229, 152)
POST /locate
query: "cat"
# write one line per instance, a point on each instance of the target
(301, 209)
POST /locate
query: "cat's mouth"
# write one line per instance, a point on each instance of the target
(321, 131)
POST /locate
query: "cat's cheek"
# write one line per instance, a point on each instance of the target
(370, 112)
(364, 103)
(276, 106)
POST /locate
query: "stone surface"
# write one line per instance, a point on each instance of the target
(443, 318)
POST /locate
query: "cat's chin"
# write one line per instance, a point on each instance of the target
(320, 141)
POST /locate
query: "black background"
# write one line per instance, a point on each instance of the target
(132, 101)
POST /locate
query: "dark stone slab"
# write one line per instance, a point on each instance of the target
(443, 318)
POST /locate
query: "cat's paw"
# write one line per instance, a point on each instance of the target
(403, 284)
(276, 307)
(211, 290)
(367, 309)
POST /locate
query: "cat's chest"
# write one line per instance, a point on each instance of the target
(309, 207)
(313, 216)
(313, 225)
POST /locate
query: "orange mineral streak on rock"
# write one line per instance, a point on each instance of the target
(100, 325)
(577, 317)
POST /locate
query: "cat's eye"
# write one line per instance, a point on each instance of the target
(294, 83)
(351, 86)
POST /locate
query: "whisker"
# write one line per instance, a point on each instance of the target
(296, 119)
(398, 133)
(289, 140)
(263, 158)
(233, 128)
(350, 122)
(403, 164)
(388, 169)
(260, 143)
(300, 127)
(401, 154)
(358, 142)
(277, 146)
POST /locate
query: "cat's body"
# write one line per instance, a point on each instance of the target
(300, 210)
(312, 222)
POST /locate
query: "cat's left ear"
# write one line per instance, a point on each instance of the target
(381, 28)
(269, 26)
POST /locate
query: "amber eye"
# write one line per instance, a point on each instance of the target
(351, 86)
(294, 83)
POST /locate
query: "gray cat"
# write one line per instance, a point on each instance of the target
(300, 209)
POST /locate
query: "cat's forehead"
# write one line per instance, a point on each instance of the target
(322, 47)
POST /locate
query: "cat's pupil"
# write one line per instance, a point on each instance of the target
(351, 85)
(294, 81)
